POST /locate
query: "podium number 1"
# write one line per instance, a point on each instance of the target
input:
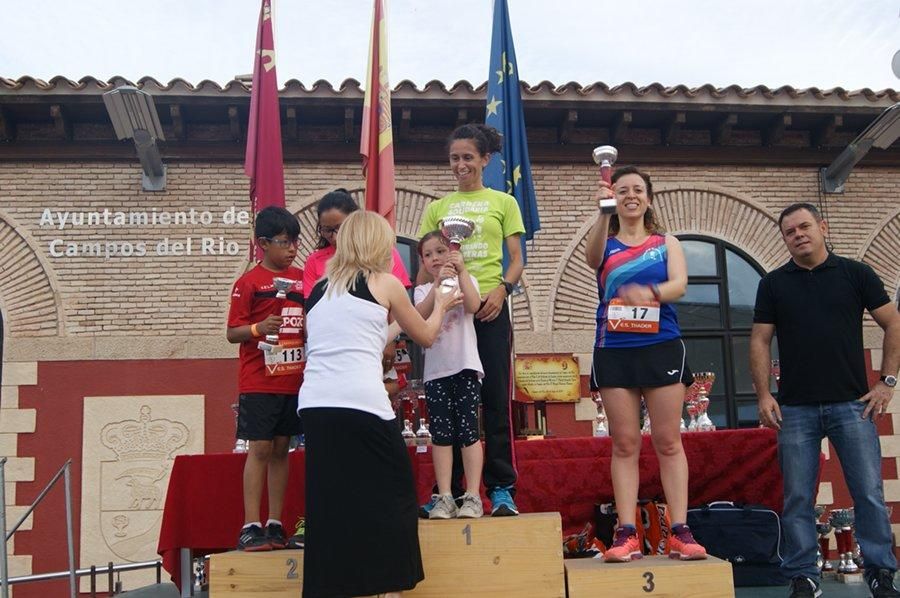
(650, 585)
(467, 532)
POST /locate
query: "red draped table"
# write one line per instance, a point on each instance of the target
(204, 506)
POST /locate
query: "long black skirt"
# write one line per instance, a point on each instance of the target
(361, 512)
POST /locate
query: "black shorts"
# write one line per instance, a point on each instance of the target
(263, 416)
(650, 366)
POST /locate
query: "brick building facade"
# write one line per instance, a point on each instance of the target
(113, 301)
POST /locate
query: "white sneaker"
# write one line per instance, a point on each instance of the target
(444, 507)
(471, 507)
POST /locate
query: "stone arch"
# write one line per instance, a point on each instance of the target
(882, 251)
(687, 209)
(29, 291)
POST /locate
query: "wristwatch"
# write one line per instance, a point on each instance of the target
(890, 381)
(510, 287)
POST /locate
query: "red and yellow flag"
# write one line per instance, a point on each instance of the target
(263, 160)
(377, 140)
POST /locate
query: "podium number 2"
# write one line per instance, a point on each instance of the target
(650, 585)
(292, 568)
(467, 532)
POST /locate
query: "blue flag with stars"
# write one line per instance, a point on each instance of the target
(509, 172)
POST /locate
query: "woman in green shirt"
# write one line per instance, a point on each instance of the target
(498, 224)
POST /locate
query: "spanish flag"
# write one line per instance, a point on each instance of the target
(377, 140)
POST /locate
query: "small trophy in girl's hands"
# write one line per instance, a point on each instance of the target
(456, 230)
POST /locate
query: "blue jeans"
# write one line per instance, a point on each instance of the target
(855, 441)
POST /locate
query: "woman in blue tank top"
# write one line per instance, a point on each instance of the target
(638, 352)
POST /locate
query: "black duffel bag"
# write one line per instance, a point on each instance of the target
(747, 536)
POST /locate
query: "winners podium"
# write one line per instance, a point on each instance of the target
(657, 576)
(505, 556)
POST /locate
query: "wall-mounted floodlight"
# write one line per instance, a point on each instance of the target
(883, 131)
(133, 116)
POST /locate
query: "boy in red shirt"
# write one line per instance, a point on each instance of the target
(269, 380)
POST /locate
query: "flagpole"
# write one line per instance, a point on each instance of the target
(376, 138)
(263, 160)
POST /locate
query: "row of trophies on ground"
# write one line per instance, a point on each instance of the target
(850, 558)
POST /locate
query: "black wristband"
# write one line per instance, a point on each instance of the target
(510, 287)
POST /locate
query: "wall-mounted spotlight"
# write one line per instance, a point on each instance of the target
(133, 116)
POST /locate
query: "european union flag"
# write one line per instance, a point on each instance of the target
(509, 172)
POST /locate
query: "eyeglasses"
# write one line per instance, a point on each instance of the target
(284, 243)
(327, 231)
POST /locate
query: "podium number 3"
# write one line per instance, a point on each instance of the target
(467, 532)
(650, 585)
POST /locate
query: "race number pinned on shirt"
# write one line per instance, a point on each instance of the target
(403, 362)
(288, 357)
(642, 318)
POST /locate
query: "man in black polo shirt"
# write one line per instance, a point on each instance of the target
(815, 304)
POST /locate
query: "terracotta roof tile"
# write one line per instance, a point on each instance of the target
(599, 91)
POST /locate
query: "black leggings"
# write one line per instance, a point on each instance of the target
(494, 346)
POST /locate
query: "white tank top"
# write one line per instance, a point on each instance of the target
(346, 336)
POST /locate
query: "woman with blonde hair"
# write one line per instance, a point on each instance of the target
(351, 432)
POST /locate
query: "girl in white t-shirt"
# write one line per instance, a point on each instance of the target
(452, 377)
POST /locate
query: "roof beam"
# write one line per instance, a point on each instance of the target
(348, 124)
(621, 122)
(177, 121)
(234, 123)
(405, 120)
(290, 129)
(824, 135)
(7, 125)
(672, 128)
(61, 122)
(462, 117)
(722, 133)
(566, 126)
(775, 131)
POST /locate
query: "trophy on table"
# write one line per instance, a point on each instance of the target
(842, 521)
(423, 436)
(605, 156)
(823, 528)
(455, 229)
(422, 405)
(600, 425)
(406, 412)
(645, 415)
(282, 286)
(693, 408)
(775, 371)
(704, 382)
(409, 437)
(240, 445)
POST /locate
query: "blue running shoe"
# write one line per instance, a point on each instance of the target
(502, 504)
(425, 510)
